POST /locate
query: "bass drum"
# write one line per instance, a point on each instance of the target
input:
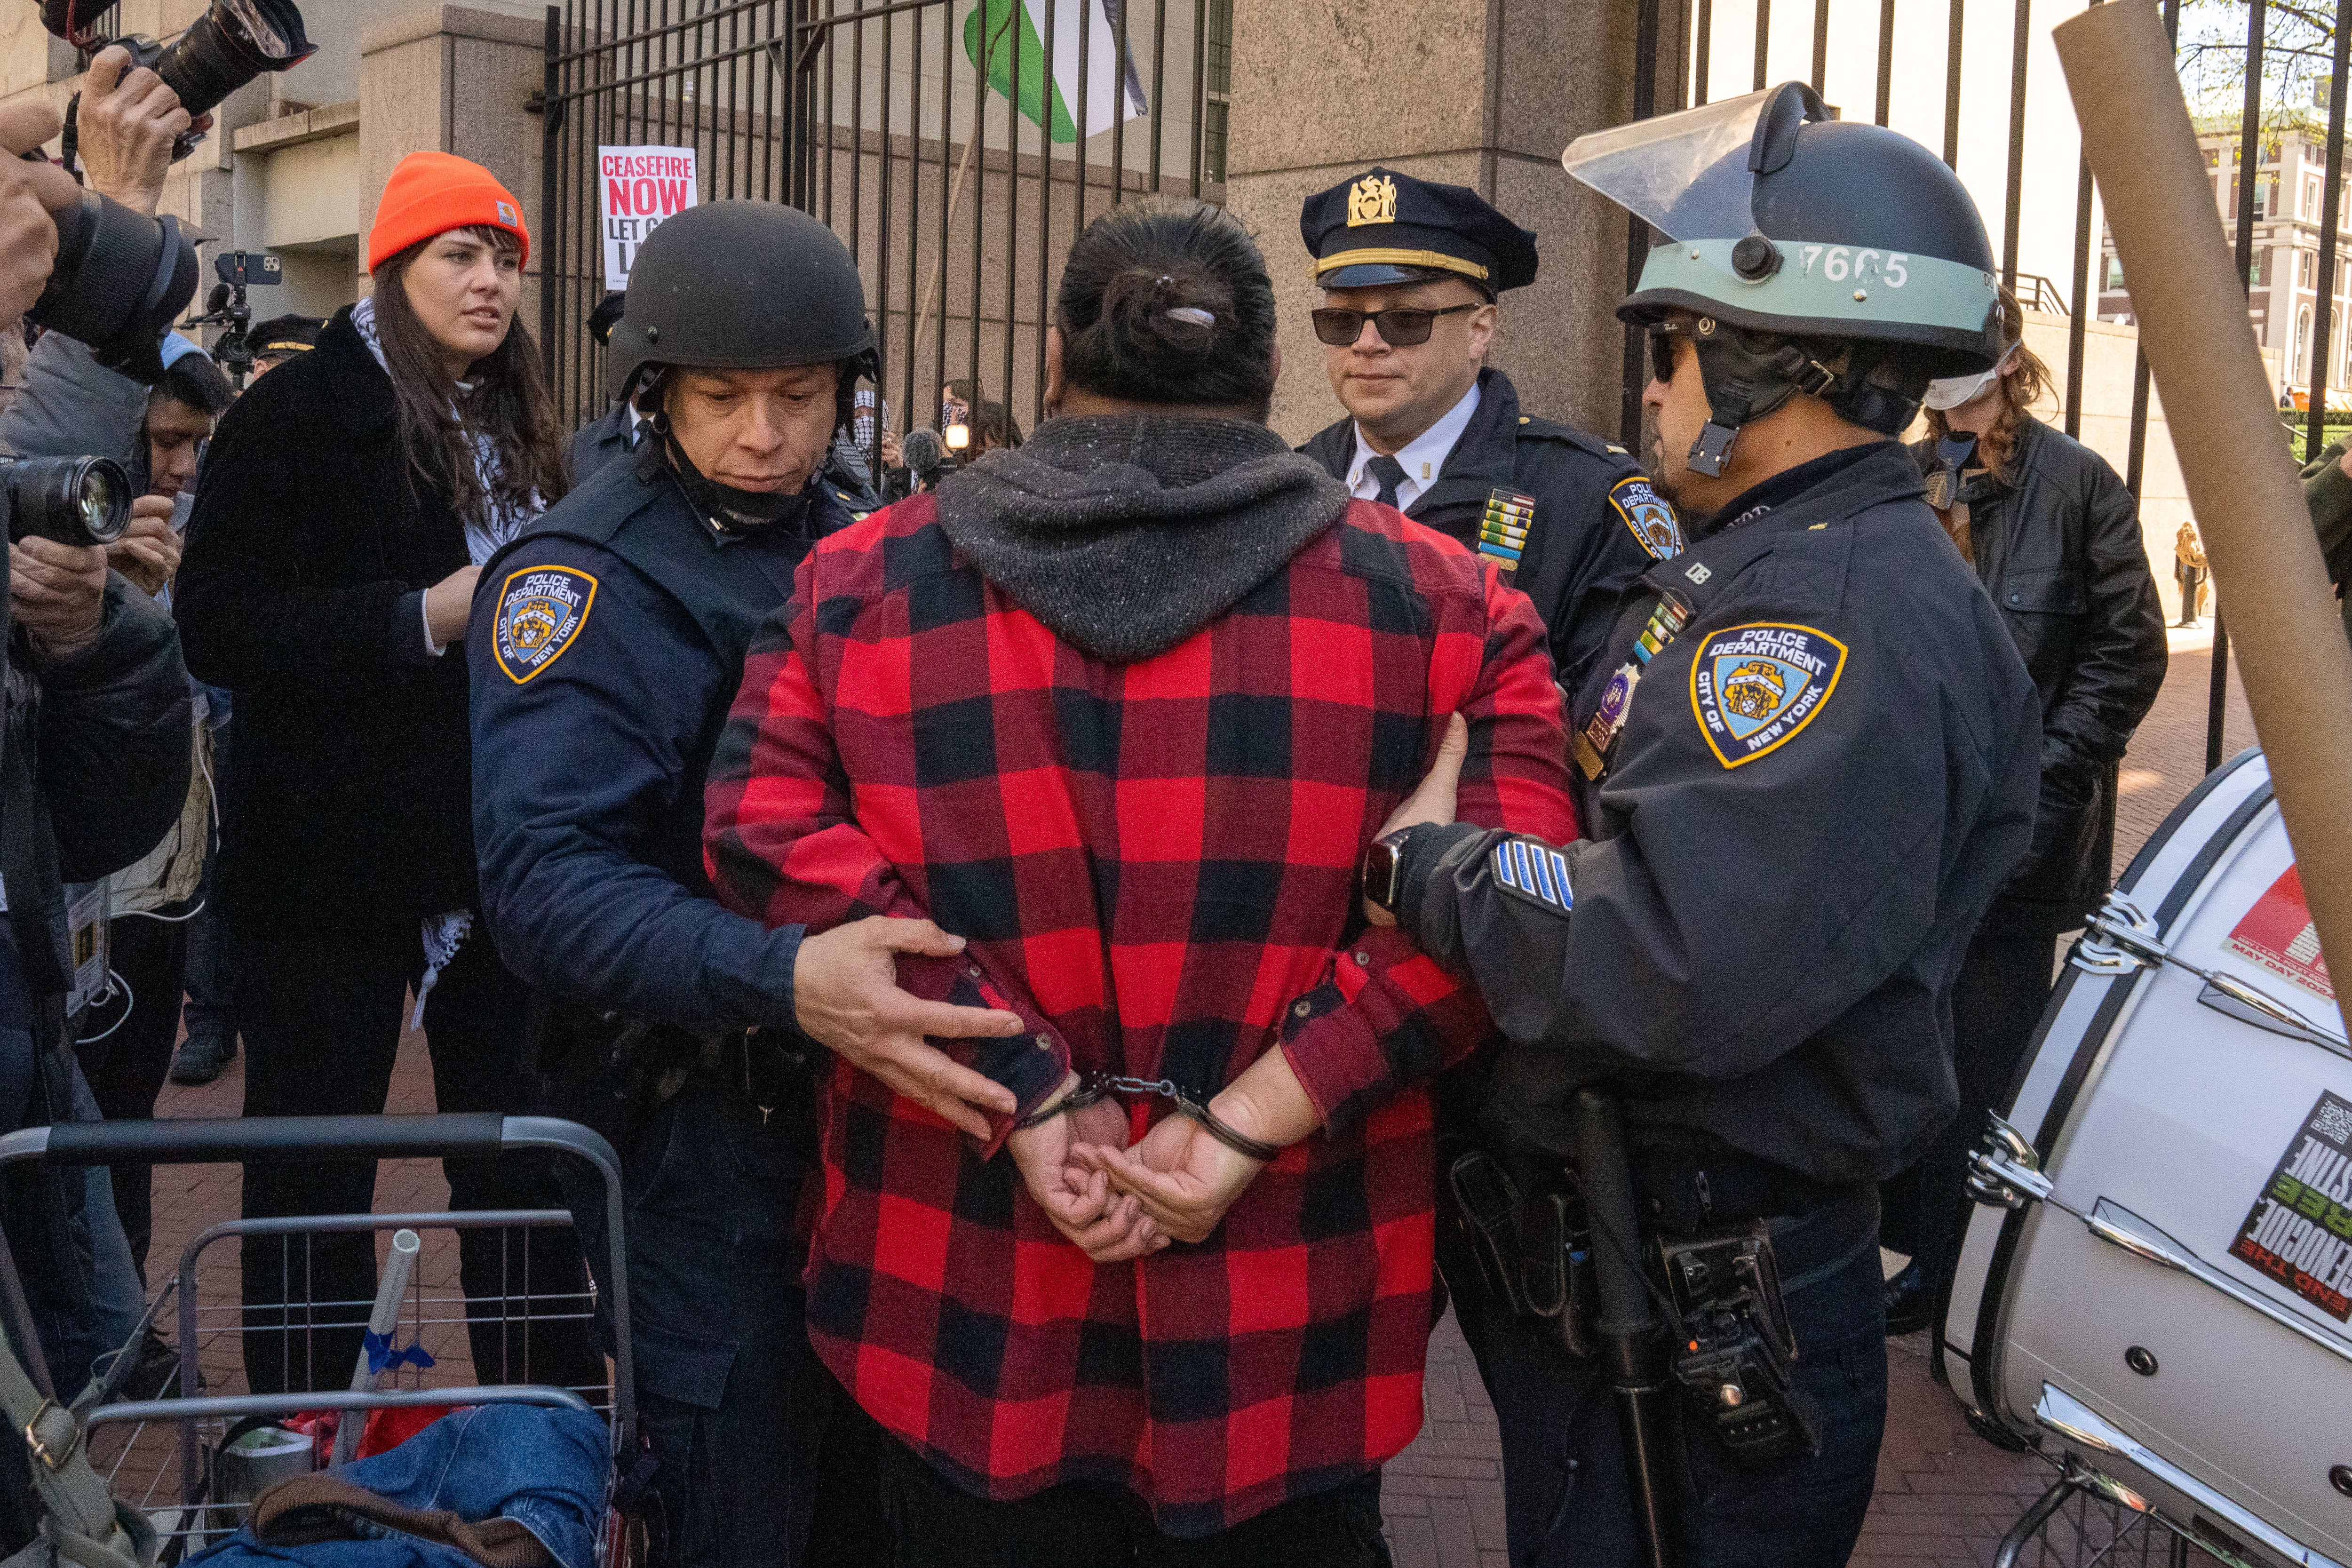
(2156, 1280)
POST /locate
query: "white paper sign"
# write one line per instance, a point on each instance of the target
(639, 187)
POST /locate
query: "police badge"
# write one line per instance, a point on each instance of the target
(1754, 686)
(1649, 515)
(541, 612)
(1372, 199)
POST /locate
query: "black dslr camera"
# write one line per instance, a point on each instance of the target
(120, 277)
(232, 42)
(80, 501)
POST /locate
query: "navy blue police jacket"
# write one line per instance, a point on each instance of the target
(1822, 780)
(605, 648)
(1598, 522)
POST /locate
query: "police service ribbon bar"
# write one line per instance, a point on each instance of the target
(1598, 736)
(1503, 531)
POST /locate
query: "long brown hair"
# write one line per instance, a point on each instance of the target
(2023, 384)
(507, 401)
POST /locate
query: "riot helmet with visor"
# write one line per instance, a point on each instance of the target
(1803, 255)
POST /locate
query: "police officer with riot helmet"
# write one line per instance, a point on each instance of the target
(1411, 272)
(605, 648)
(1817, 758)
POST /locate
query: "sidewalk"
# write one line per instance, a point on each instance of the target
(1944, 1496)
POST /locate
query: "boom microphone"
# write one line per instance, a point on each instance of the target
(923, 453)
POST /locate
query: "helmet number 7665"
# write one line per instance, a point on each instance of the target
(1840, 262)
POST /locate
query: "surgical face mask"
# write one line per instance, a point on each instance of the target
(1952, 391)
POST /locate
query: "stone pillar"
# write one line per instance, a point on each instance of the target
(1483, 93)
(455, 79)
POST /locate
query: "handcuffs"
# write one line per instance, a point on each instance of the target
(1094, 1087)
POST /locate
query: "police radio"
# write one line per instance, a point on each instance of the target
(1736, 1346)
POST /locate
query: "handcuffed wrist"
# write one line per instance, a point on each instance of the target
(1076, 1094)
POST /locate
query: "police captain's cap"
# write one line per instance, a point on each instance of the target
(1382, 228)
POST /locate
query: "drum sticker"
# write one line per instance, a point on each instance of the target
(541, 612)
(1650, 516)
(1754, 686)
(2278, 934)
(2300, 1231)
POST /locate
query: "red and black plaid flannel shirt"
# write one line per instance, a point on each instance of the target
(1156, 866)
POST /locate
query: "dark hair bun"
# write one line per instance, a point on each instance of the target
(1169, 302)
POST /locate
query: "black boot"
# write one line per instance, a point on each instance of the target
(1910, 1301)
(204, 1059)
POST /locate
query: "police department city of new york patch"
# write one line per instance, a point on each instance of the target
(1754, 686)
(1649, 515)
(541, 612)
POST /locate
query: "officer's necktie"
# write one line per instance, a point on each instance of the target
(1389, 473)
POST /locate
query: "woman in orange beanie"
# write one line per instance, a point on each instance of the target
(346, 505)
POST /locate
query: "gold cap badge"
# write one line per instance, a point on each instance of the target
(1371, 199)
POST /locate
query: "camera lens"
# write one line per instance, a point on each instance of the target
(120, 277)
(74, 500)
(228, 46)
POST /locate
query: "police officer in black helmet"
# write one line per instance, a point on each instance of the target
(1411, 272)
(1816, 757)
(605, 648)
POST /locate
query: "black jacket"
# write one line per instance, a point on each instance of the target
(2058, 547)
(1583, 549)
(347, 802)
(93, 769)
(1823, 781)
(592, 875)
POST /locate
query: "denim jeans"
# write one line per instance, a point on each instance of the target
(62, 1231)
(208, 1009)
(544, 1468)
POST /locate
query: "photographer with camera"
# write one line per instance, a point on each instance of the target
(94, 760)
(153, 906)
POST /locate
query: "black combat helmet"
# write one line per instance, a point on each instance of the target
(1841, 260)
(742, 286)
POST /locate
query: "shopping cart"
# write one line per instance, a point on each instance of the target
(97, 1455)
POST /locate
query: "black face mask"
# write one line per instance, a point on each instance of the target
(730, 510)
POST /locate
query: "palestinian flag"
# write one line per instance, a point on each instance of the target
(1007, 32)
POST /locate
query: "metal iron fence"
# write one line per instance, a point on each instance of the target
(957, 147)
(2076, 297)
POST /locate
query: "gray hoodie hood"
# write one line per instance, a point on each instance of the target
(1125, 534)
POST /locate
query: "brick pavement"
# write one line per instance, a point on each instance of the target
(1943, 1495)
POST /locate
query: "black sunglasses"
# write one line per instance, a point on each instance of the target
(1401, 328)
(1664, 335)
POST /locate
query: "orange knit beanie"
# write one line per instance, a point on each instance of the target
(433, 192)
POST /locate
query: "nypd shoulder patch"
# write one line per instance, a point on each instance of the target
(1754, 686)
(1649, 515)
(1534, 870)
(541, 612)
